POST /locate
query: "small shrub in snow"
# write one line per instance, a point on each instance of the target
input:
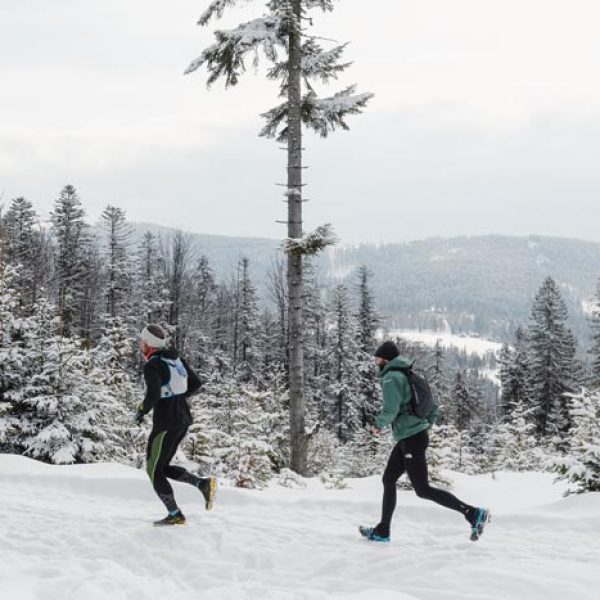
(333, 480)
(287, 478)
(253, 467)
(322, 452)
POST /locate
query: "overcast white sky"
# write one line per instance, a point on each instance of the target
(486, 118)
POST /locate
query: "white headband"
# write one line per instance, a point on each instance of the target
(152, 340)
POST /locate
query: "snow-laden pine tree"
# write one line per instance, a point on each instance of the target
(505, 361)
(178, 263)
(277, 290)
(113, 357)
(344, 404)
(243, 424)
(581, 466)
(460, 412)
(297, 61)
(478, 416)
(26, 245)
(203, 316)
(64, 406)
(315, 349)
(117, 284)
(151, 294)
(248, 338)
(438, 380)
(93, 296)
(552, 349)
(517, 448)
(595, 347)
(71, 265)
(367, 322)
(12, 374)
(514, 376)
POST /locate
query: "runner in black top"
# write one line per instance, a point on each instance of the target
(169, 383)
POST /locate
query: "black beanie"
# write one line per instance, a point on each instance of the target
(387, 350)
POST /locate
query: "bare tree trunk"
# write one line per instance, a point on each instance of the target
(298, 461)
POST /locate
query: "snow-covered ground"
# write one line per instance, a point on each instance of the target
(84, 533)
(471, 345)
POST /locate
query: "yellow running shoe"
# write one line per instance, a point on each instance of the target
(208, 487)
(177, 519)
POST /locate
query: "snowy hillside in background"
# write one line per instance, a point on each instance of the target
(84, 533)
(464, 343)
(480, 284)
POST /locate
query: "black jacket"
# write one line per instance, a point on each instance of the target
(169, 413)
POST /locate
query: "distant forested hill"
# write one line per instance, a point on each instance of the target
(482, 284)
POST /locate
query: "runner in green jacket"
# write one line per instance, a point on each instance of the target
(410, 433)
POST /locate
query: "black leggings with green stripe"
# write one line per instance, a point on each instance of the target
(162, 446)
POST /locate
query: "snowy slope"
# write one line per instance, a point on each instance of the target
(84, 533)
(470, 345)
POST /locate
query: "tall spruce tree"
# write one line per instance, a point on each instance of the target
(315, 342)
(438, 380)
(26, 245)
(71, 271)
(178, 263)
(248, 336)
(552, 372)
(520, 369)
(296, 59)
(151, 294)
(202, 315)
(344, 404)
(118, 276)
(460, 411)
(367, 323)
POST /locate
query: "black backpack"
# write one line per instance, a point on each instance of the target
(421, 400)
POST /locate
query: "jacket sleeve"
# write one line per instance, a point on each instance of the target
(433, 416)
(393, 400)
(153, 385)
(194, 382)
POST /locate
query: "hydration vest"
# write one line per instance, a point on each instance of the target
(177, 384)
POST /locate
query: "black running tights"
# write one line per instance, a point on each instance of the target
(409, 455)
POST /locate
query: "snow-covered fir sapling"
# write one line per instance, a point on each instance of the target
(581, 466)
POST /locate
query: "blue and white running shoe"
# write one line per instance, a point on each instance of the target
(482, 517)
(369, 533)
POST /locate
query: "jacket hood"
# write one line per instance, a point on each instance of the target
(398, 362)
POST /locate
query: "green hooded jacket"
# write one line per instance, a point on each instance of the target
(396, 403)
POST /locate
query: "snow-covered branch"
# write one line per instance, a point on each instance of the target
(324, 5)
(312, 243)
(327, 114)
(322, 64)
(321, 115)
(225, 58)
(216, 9)
(316, 64)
